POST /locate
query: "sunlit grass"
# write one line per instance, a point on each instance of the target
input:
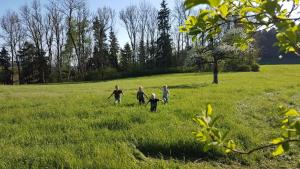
(75, 126)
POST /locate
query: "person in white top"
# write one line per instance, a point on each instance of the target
(166, 94)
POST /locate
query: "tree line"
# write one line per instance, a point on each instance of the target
(64, 40)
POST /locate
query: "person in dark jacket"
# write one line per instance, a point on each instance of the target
(140, 95)
(117, 94)
(153, 102)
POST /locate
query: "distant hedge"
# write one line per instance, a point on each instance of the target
(110, 73)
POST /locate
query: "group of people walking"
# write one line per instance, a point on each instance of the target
(140, 96)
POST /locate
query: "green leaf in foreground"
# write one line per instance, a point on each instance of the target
(279, 150)
(214, 3)
(230, 146)
(277, 140)
(292, 112)
(209, 110)
(192, 3)
(211, 136)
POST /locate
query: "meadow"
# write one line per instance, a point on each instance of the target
(75, 126)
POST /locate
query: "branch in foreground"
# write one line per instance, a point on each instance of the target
(261, 147)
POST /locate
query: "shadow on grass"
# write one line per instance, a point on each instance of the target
(190, 86)
(185, 86)
(137, 119)
(183, 151)
(129, 105)
(114, 124)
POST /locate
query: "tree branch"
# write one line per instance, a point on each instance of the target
(261, 147)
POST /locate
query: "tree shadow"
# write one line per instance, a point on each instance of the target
(113, 124)
(182, 151)
(185, 86)
(129, 104)
(190, 86)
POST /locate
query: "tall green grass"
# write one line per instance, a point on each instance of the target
(75, 126)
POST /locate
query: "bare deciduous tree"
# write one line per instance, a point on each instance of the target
(78, 28)
(152, 30)
(106, 17)
(130, 18)
(49, 35)
(57, 27)
(102, 22)
(13, 35)
(144, 10)
(32, 19)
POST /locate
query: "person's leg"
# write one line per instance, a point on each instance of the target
(165, 100)
(117, 100)
(152, 108)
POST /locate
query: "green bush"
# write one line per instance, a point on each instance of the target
(102, 74)
(255, 67)
(244, 68)
(5, 77)
(135, 71)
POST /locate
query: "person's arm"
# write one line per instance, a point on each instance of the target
(137, 95)
(110, 95)
(146, 96)
(122, 93)
(147, 103)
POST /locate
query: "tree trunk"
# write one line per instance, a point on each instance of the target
(19, 70)
(12, 65)
(216, 73)
(102, 71)
(178, 48)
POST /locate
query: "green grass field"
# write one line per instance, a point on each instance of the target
(74, 126)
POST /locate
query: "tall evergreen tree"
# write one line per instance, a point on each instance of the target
(142, 52)
(67, 55)
(100, 48)
(4, 59)
(113, 49)
(34, 65)
(43, 66)
(27, 61)
(5, 73)
(126, 57)
(164, 48)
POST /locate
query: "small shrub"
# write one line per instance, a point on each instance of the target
(255, 67)
(244, 68)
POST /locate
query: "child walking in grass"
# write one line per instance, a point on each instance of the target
(117, 94)
(153, 102)
(166, 93)
(140, 95)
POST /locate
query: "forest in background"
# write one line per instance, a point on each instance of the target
(65, 41)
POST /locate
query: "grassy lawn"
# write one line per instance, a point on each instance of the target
(75, 126)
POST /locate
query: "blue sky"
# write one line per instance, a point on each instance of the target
(93, 5)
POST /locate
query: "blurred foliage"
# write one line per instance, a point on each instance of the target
(251, 15)
(211, 136)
